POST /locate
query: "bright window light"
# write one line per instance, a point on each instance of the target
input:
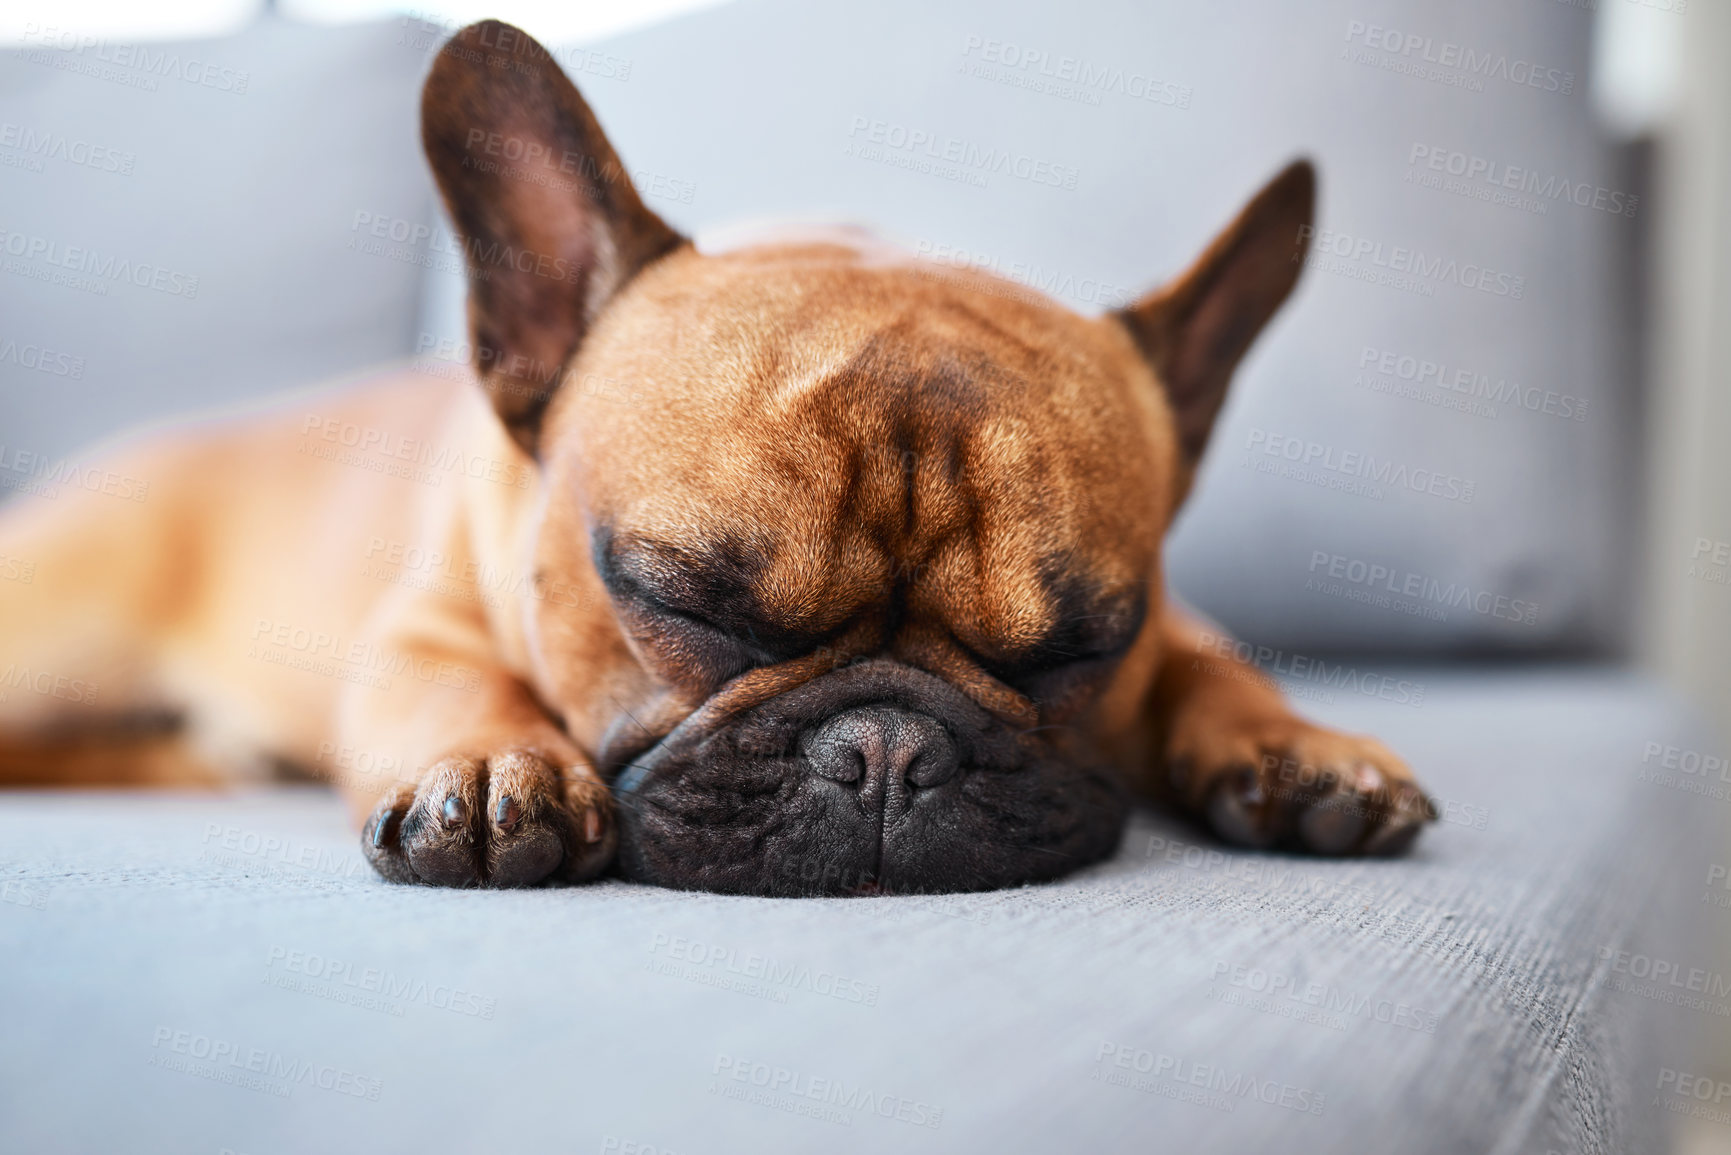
(62, 23)
(1637, 63)
(551, 21)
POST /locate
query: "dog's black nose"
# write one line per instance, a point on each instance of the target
(878, 747)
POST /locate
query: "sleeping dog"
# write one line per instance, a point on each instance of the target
(796, 567)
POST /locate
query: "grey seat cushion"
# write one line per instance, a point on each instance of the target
(205, 973)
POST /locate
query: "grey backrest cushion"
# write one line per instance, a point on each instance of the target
(1445, 374)
(179, 223)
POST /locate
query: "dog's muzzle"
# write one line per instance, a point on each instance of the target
(878, 777)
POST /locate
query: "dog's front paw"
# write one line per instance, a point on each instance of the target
(1289, 783)
(506, 819)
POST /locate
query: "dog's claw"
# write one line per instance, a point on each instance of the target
(1238, 811)
(1412, 811)
(1332, 827)
(381, 828)
(455, 812)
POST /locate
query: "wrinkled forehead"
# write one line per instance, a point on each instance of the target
(819, 426)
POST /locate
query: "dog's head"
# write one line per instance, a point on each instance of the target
(863, 553)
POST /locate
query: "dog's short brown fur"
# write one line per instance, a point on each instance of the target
(793, 568)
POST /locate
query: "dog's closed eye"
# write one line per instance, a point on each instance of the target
(692, 643)
(715, 651)
(1075, 658)
(1056, 681)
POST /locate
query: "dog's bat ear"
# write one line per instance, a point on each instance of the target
(1194, 330)
(550, 223)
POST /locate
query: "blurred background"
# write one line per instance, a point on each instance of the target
(1492, 424)
(1511, 311)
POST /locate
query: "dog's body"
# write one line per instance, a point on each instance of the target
(290, 516)
(837, 570)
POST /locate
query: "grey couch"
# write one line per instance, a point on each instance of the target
(223, 973)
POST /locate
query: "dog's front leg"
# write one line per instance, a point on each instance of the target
(1232, 751)
(488, 789)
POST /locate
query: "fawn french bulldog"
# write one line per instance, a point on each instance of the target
(846, 578)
